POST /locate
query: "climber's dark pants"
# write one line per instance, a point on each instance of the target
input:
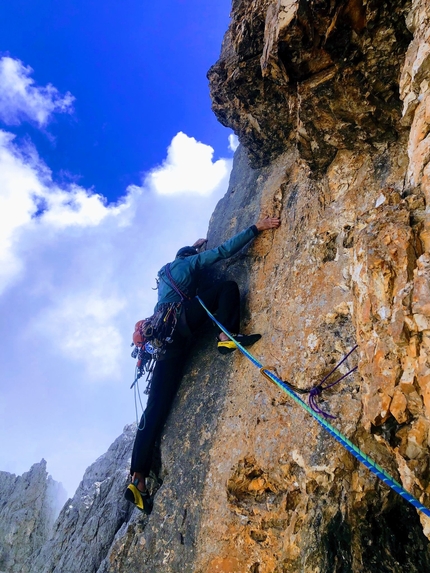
(222, 299)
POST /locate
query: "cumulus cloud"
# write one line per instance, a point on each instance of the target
(85, 329)
(76, 262)
(30, 200)
(188, 168)
(21, 100)
(17, 185)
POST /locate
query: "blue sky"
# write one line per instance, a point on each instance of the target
(110, 160)
(138, 73)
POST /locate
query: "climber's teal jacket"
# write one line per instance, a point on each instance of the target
(184, 269)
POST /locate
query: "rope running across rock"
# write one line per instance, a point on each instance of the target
(375, 468)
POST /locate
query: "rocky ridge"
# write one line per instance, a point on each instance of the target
(88, 522)
(29, 505)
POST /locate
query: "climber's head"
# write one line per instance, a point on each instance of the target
(186, 252)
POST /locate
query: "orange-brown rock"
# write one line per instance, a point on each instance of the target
(327, 71)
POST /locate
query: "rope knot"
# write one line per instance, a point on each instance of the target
(315, 391)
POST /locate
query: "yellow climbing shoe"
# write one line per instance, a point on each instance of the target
(139, 498)
(227, 346)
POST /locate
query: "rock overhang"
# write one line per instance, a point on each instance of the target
(321, 76)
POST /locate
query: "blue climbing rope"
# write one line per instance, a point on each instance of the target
(343, 440)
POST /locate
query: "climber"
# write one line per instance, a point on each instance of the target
(177, 282)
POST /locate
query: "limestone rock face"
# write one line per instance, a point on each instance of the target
(29, 505)
(330, 100)
(251, 482)
(89, 521)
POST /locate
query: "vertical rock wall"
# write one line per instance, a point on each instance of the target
(350, 262)
(282, 496)
(330, 101)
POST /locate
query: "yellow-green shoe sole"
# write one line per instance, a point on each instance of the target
(142, 501)
(227, 346)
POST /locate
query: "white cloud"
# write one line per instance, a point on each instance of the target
(85, 329)
(19, 183)
(76, 206)
(21, 100)
(188, 168)
(233, 142)
(30, 200)
(76, 273)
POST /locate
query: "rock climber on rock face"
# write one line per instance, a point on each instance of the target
(223, 299)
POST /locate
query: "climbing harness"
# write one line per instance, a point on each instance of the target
(151, 336)
(150, 339)
(375, 468)
(174, 285)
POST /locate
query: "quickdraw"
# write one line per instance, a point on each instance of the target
(151, 337)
